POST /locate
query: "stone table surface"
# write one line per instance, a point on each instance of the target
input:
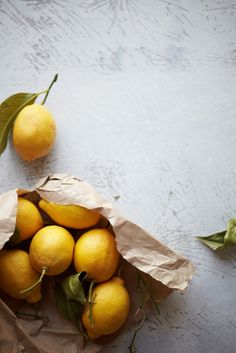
(145, 107)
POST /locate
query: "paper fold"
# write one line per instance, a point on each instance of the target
(166, 269)
(135, 244)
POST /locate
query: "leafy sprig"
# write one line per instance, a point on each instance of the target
(223, 239)
(70, 297)
(144, 294)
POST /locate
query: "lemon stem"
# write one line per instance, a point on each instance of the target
(44, 269)
(90, 302)
(49, 88)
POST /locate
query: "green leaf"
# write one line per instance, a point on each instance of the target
(15, 238)
(70, 297)
(75, 311)
(70, 309)
(223, 239)
(9, 110)
(230, 236)
(73, 288)
(61, 301)
(214, 241)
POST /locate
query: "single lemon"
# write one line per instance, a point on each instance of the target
(110, 308)
(34, 132)
(51, 248)
(16, 273)
(71, 216)
(28, 218)
(96, 253)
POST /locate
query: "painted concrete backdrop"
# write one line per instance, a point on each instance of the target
(145, 107)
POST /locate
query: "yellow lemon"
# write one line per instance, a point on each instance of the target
(110, 308)
(71, 216)
(16, 273)
(28, 218)
(34, 132)
(51, 248)
(96, 253)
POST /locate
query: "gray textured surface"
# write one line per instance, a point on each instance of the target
(145, 106)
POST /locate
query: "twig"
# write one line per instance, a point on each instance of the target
(150, 295)
(132, 348)
(141, 301)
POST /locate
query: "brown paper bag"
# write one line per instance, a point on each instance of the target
(163, 269)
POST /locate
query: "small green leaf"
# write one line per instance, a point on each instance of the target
(9, 110)
(73, 288)
(230, 236)
(15, 238)
(75, 311)
(214, 241)
(223, 239)
(70, 297)
(70, 309)
(61, 301)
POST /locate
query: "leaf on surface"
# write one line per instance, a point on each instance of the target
(214, 241)
(230, 236)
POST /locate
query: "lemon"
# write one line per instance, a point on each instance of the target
(16, 273)
(34, 132)
(28, 218)
(71, 216)
(110, 308)
(96, 253)
(51, 248)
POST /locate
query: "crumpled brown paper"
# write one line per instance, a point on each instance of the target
(164, 269)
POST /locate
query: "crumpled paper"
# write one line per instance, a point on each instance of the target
(164, 269)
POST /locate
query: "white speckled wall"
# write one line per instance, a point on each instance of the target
(146, 109)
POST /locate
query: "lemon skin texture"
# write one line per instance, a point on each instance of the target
(34, 132)
(70, 216)
(51, 247)
(28, 218)
(110, 308)
(96, 253)
(17, 273)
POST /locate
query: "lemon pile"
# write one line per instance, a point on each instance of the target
(49, 250)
